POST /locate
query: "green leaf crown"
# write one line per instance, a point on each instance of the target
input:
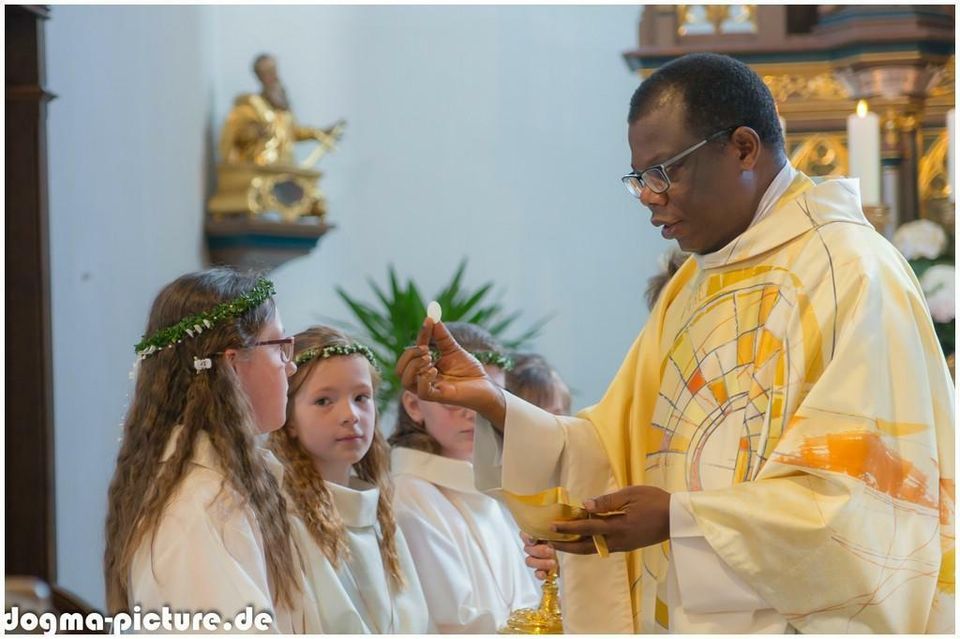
(339, 350)
(193, 325)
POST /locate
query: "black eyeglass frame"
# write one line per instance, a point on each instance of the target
(634, 181)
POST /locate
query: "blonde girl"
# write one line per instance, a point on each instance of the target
(340, 493)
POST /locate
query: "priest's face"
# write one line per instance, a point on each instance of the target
(709, 200)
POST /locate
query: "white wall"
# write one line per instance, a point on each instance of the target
(495, 133)
(126, 173)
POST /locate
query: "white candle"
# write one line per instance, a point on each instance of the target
(952, 153)
(863, 144)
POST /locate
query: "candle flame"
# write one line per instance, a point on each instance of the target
(862, 108)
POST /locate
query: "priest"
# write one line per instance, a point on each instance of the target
(776, 452)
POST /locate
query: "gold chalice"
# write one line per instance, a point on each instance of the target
(534, 514)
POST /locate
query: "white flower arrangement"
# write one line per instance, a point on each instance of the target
(920, 239)
(939, 288)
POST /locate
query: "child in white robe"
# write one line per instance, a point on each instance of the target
(339, 491)
(466, 544)
(195, 519)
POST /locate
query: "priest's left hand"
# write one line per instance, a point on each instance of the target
(645, 521)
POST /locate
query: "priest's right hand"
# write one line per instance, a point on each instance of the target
(457, 377)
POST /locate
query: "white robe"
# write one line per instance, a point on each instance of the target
(466, 545)
(207, 553)
(356, 598)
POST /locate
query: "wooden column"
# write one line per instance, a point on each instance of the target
(30, 531)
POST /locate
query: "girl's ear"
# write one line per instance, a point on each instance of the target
(230, 357)
(411, 404)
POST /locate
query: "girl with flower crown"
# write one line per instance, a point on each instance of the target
(340, 494)
(196, 520)
(466, 545)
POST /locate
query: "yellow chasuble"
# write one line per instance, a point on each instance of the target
(794, 387)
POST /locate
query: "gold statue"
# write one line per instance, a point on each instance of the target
(257, 171)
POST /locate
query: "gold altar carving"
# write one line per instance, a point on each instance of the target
(704, 19)
(258, 173)
(821, 86)
(821, 155)
(946, 81)
(934, 182)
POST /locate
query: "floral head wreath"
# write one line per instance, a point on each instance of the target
(493, 358)
(337, 350)
(193, 325)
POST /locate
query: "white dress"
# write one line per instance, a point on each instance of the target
(356, 598)
(466, 545)
(208, 554)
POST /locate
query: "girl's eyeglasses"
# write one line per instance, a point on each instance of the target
(285, 344)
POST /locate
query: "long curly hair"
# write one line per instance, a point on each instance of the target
(411, 434)
(304, 484)
(168, 393)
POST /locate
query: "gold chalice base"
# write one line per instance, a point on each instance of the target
(530, 621)
(544, 620)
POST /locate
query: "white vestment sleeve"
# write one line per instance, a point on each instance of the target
(528, 461)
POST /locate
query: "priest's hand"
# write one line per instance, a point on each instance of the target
(456, 378)
(645, 520)
(540, 556)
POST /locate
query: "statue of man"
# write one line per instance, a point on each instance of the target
(261, 129)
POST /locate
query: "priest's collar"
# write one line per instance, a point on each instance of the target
(792, 205)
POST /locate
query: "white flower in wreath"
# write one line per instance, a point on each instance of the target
(939, 287)
(920, 238)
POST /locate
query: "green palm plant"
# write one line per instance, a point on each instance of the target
(392, 322)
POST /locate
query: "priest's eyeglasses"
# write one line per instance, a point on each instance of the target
(655, 178)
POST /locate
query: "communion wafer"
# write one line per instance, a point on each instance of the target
(434, 311)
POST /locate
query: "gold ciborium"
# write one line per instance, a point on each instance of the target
(534, 514)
